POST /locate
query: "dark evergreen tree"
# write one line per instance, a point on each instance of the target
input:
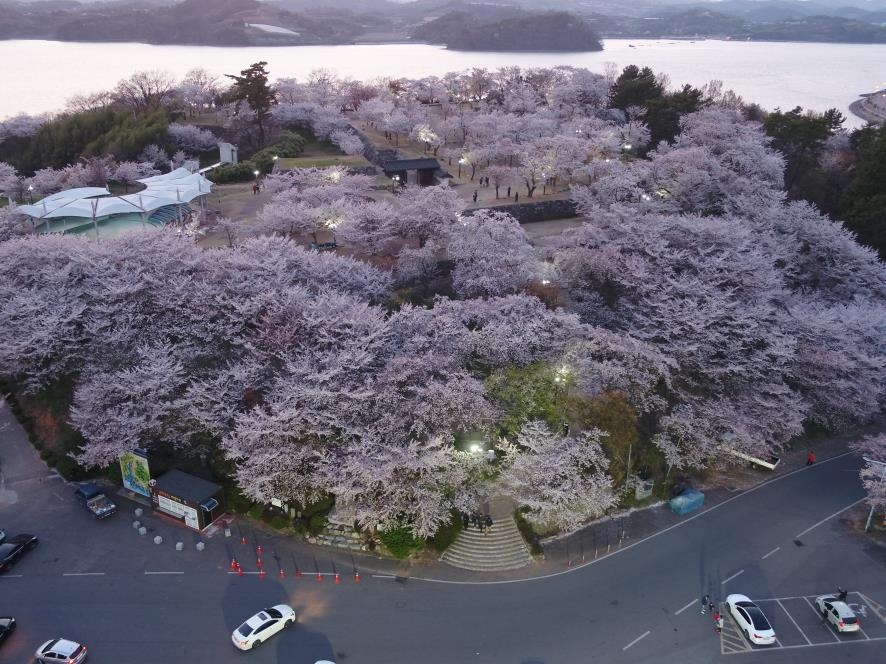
(252, 87)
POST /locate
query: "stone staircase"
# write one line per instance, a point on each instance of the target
(502, 549)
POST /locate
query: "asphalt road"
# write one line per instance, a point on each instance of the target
(132, 601)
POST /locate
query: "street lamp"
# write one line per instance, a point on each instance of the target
(31, 193)
(274, 167)
(394, 182)
(867, 525)
(460, 162)
(255, 173)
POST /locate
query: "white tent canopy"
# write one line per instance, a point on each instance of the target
(179, 186)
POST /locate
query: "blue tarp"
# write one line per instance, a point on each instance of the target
(687, 502)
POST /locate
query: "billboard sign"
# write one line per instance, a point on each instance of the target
(135, 471)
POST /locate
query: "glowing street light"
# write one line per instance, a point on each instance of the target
(30, 194)
(394, 182)
(460, 163)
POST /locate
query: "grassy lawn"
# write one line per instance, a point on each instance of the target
(322, 161)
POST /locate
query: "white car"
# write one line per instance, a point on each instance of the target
(837, 613)
(750, 620)
(61, 651)
(262, 626)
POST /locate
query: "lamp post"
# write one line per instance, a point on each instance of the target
(867, 525)
(31, 194)
(274, 167)
(460, 162)
(394, 182)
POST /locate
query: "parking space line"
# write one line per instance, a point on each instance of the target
(828, 518)
(725, 581)
(11, 576)
(863, 633)
(787, 613)
(639, 638)
(778, 548)
(83, 574)
(815, 611)
(679, 611)
(147, 572)
(824, 645)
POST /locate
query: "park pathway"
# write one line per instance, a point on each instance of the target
(502, 549)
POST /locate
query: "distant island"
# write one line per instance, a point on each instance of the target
(551, 31)
(507, 25)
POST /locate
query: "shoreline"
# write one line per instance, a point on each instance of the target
(871, 107)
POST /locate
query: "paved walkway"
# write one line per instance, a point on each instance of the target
(501, 549)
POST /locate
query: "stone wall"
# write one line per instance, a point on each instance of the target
(538, 211)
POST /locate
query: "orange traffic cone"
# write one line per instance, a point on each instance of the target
(319, 576)
(297, 573)
(282, 573)
(239, 570)
(337, 577)
(261, 574)
(356, 576)
(258, 550)
(233, 564)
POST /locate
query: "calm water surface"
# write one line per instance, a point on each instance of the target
(817, 76)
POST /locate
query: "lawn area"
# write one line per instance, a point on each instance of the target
(322, 161)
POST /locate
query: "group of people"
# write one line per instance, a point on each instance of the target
(708, 605)
(478, 521)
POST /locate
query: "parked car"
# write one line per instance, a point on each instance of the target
(61, 651)
(750, 620)
(262, 626)
(14, 548)
(94, 500)
(7, 627)
(837, 613)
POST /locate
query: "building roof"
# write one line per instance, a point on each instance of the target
(187, 487)
(411, 165)
(179, 186)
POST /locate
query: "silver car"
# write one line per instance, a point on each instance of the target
(61, 651)
(837, 613)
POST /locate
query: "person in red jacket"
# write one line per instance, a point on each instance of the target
(810, 459)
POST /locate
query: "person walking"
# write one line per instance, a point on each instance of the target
(465, 519)
(475, 195)
(704, 603)
(718, 622)
(810, 458)
(509, 191)
(488, 524)
(516, 196)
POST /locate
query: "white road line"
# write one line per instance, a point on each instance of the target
(147, 572)
(791, 618)
(725, 581)
(638, 542)
(828, 518)
(778, 548)
(639, 638)
(11, 576)
(824, 645)
(677, 613)
(60, 499)
(383, 576)
(864, 634)
(84, 574)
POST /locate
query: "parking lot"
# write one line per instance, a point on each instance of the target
(798, 624)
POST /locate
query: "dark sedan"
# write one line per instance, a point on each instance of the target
(7, 627)
(14, 548)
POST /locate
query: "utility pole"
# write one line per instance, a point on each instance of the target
(867, 525)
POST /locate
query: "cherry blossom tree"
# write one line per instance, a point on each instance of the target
(492, 254)
(561, 480)
(191, 137)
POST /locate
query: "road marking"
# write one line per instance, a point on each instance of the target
(11, 576)
(794, 621)
(84, 574)
(677, 613)
(60, 499)
(147, 572)
(778, 548)
(638, 542)
(639, 638)
(725, 581)
(828, 518)
(383, 576)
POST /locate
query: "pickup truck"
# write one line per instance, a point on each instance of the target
(95, 501)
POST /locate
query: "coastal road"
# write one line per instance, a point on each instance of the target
(778, 543)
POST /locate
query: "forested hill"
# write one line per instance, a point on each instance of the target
(209, 22)
(553, 31)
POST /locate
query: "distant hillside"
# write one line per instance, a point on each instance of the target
(552, 31)
(821, 29)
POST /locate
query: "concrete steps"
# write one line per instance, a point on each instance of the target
(502, 549)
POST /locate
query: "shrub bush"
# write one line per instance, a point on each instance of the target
(316, 524)
(400, 542)
(256, 511)
(528, 533)
(242, 172)
(279, 522)
(446, 535)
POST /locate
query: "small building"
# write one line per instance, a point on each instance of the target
(193, 501)
(227, 153)
(412, 171)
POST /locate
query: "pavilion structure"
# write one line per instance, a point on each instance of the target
(96, 212)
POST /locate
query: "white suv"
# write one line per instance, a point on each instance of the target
(837, 613)
(61, 651)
